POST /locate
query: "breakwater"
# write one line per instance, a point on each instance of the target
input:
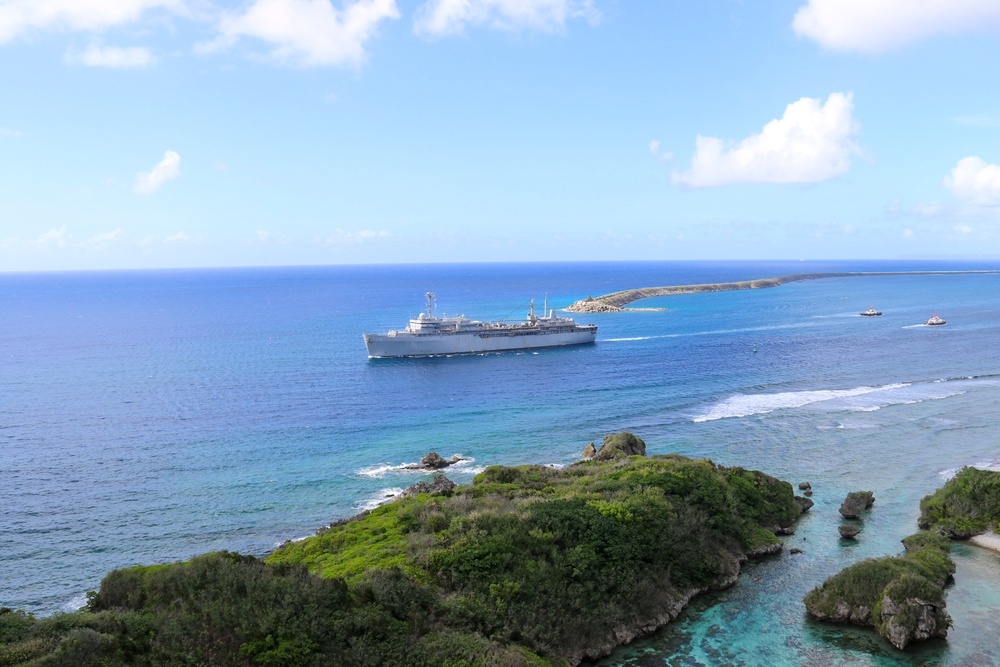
(616, 301)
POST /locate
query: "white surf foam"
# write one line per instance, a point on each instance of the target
(993, 466)
(745, 405)
(75, 603)
(380, 470)
(381, 497)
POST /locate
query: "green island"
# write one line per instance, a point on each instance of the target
(616, 301)
(903, 597)
(525, 566)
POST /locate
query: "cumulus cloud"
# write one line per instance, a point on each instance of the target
(167, 169)
(975, 182)
(342, 236)
(9, 133)
(20, 16)
(811, 142)
(872, 26)
(111, 56)
(56, 237)
(443, 17)
(308, 32)
(105, 237)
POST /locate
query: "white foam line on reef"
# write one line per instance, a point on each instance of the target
(745, 405)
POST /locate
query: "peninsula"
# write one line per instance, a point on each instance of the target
(527, 567)
(616, 301)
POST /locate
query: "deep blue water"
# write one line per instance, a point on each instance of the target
(150, 416)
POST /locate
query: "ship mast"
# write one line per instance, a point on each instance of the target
(430, 304)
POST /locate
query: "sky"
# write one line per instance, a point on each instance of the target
(197, 133)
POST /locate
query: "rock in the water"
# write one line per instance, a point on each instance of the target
(808, 492)
(619, 445)
(803, 503)
(849, 531)
(803, 486)
(795, 550)
(856, 503)
(434, 460)
(441, 484)
(589, 451)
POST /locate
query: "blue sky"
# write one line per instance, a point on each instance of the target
(174, 133)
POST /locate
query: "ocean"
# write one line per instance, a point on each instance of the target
(149, 416)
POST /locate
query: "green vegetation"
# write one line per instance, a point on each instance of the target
(526, 566)
(968, 504)
(900, 596)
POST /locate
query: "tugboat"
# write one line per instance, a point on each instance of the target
(935, 321)
(871, 312)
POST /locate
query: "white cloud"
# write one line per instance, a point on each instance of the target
(308, 32)
(963, 229)
(111, 56)
(9, 133)
(908, 233)
(19, 16)
(105, 237)
(179, 237)
(167, 169)
(811, 142)
(341, 236)
(443, 17)
(975, 182)
(55, 237)
(662, 156)
(872, 26)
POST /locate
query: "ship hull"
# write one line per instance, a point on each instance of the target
(415, 345)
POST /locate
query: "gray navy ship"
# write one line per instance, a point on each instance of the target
(428, 336)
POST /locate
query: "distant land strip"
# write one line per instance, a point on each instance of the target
(616, 301)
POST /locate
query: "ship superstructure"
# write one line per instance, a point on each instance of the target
(427, 335)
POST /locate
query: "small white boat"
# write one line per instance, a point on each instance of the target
(935, 321)
(871, 312)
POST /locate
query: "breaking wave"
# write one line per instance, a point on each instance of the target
(380, 470)
(745, 405)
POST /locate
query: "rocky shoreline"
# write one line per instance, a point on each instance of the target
(615, 302)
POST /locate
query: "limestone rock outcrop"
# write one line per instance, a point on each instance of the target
(441, 484)
(902, 597)
(434, 461)
(855, 503)
(620, 445)
(849, 531)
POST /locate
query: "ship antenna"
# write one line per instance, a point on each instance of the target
(545, 307)
(430, 304)
(531, 310)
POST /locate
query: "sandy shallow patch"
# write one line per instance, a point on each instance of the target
(988, 540)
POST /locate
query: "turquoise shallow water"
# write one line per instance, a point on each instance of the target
(151, 416)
